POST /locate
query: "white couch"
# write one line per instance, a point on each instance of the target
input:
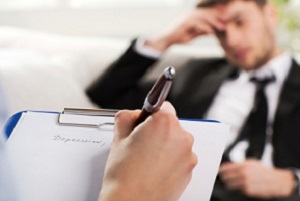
(43, 71)
(46, 71)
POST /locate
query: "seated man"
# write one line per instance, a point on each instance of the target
(255, 89)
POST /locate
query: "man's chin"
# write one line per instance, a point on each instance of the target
(247, 67)
(243, 65)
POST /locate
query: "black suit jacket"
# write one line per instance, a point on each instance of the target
(192, 93)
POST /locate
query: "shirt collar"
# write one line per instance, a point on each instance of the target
(279, 66)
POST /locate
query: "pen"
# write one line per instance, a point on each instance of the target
(157, 94)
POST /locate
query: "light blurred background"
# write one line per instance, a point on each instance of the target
(120, 18)
(52, 50)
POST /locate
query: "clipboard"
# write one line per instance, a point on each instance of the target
(13, 120)
(61, 155)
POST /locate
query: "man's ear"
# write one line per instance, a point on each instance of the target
(271, 13)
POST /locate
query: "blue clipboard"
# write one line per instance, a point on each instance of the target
(14, 119)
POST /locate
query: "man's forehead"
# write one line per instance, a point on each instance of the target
(232, 10)
(212, 3)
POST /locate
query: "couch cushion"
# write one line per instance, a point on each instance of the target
(85, 57)
(32, 81)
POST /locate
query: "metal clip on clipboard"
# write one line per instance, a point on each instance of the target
(86, 112)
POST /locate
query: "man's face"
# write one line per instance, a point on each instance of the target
(248, 38)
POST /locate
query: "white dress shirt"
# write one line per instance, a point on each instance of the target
(235, 98)
(146, 51)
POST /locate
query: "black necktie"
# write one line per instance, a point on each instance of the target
(255, 126)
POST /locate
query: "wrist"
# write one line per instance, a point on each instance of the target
(115, 192)
(296, 175)
(290, 185)
(160, 44)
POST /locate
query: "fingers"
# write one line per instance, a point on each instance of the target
(227, 167)
(211, 26)
(235, 184)
(232, 180)
(124, 123)
(230, 174)
(125, 120)
(215, 23)
(204, 29)
(167, 107)
(208, 21)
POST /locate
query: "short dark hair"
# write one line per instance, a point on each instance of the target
(212, 3)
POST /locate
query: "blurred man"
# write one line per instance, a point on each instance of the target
(255, 89)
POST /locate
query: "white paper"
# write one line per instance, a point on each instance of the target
(64, 163)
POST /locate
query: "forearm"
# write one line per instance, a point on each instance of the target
(160, 43)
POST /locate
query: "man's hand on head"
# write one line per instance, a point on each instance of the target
(200, 21)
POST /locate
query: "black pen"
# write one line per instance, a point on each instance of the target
(157, 94)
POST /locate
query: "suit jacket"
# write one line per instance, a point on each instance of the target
(192, 93)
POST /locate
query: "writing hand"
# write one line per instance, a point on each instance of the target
(152, 161)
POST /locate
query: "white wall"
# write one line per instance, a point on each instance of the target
(121, 23)
(112, 22)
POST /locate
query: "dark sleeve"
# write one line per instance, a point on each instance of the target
(119, 87)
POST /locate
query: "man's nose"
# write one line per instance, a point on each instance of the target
(233, 37)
